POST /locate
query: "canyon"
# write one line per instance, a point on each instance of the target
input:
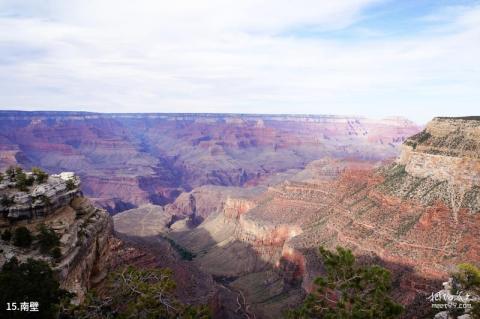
(128, 160)
(237, 205)
(418, 216)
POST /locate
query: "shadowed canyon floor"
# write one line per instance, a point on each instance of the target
(419, 216)
(237, 205)
(127, 160)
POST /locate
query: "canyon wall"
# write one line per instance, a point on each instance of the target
(84, 231)
(419, 217)
(127, 160)
(447, 150)
(243, 239)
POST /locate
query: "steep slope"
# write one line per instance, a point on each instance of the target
(418, 216)
(239, 250)
(126, 160)
(84, 230)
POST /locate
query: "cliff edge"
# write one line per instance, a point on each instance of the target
(54, 206)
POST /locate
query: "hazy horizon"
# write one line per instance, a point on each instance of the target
(212, 113)
(370, 58)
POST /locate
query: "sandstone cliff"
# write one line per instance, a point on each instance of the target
(447, 150)
(83, 229)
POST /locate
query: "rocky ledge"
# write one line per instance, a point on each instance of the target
(448, 149)
(55, 205)
(38, 199)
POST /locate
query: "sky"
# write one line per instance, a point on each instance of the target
(375, 58)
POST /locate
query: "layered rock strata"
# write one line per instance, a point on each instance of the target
(42, 199)
(127, 160)
(84, 231)
(419, 217)
(447, 150)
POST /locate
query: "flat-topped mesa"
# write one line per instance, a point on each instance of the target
(447, 150)
(38, 198)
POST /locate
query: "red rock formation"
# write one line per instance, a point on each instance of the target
(418, 222)
(130, 159)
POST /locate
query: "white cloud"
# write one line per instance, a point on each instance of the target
(230, 56)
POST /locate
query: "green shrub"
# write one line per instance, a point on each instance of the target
(1, 176)
(47, 239)
(468, 276)
(30, 281)
(56, 253)
(23, 181)
(6, 201)
(466, 282)
(70, 184)
(45, 200)
(139, 293)
(6, 235)
(349, 290)
(182, 251)
(22, 237)
(423, 136)
(10, 172)
(40, 175)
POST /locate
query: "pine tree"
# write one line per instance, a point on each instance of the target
(467, 279)
(22, 237)
(47, 238)
(138, 293)
(32, 280)
(349, 290)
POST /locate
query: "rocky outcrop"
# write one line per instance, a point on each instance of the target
(86, 248)
(456, 299)
(455, 137)
(127, 160)
(84, 231)
(42, 199)
(447, 150)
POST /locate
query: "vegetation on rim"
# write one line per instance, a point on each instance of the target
(138, 293)
(48, 240)
(31, 281)
(22, 237)
(349, 290)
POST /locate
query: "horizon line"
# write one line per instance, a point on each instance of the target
(207, 114)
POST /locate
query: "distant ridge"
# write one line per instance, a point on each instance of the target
(250, 116)
(467, 118)
(129, 159)
(66, 113)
